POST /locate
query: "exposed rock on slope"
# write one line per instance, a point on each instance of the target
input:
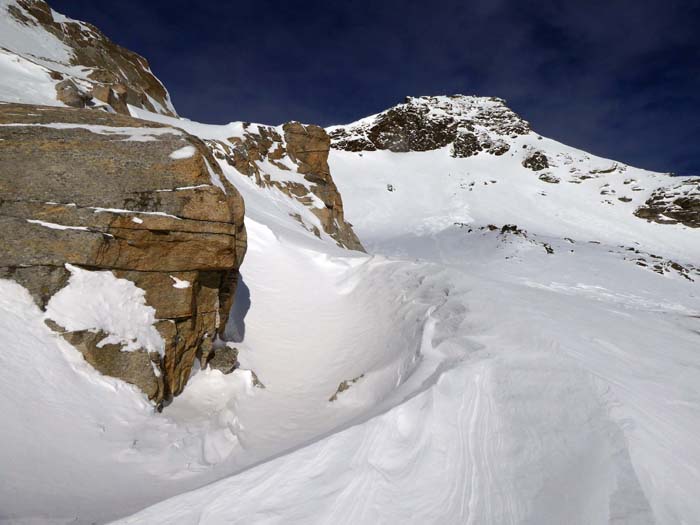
(673, 204)
(470, 124)
(142, 200)
(294, 159)
(85, 67)
(536, 161)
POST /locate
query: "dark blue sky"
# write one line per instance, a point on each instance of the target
(617, 78)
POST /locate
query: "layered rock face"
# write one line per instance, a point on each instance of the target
(294, 159)
(470, 125)
(87, 68)
(146, 202)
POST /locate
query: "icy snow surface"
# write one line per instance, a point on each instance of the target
(489, 380)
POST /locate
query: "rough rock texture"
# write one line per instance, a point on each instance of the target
(110, 197)
(299, 154)
(224, 359)
(109, 74)
(671, 205)
(470, 124)
(536, 161)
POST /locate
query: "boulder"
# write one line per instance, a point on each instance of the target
(102, 192)
(68, 93)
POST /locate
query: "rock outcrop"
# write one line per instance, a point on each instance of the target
(294, 159)
(87, 67)
(678, 203)
(105, 192)
(536, 161)
(469, 124)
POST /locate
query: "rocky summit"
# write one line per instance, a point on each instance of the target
(143, 201)
(468, 124)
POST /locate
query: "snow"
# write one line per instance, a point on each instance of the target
(30, 39)
(54, 226)
(185, 152)
(95, 300)
(500, 383)
(179, 283)
(25, 82)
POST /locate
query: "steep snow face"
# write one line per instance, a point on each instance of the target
(42, 52)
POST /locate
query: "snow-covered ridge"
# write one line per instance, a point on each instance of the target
(48, 58)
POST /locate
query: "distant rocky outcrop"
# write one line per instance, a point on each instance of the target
(91, 70)
(677, 203)
(298, 154)
(471, 125)
(536, 161)
(105, 192)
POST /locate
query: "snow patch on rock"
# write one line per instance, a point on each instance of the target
(100, 301)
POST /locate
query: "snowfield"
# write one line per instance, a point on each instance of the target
(458, 373)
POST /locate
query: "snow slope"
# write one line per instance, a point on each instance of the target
(549, 387)
(485, 379)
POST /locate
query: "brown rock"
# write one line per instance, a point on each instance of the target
(137, 367)
(68, 93)
(225, 359)
(101, 201)
(128, 73)
(307, 147)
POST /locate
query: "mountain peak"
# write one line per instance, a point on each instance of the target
(471, 124)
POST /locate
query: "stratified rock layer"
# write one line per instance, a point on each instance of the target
(105, 192)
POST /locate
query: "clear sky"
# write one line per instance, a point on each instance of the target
(620, 79)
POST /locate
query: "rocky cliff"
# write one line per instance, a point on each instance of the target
(72, 62)
(84, 190)
(294, 159)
